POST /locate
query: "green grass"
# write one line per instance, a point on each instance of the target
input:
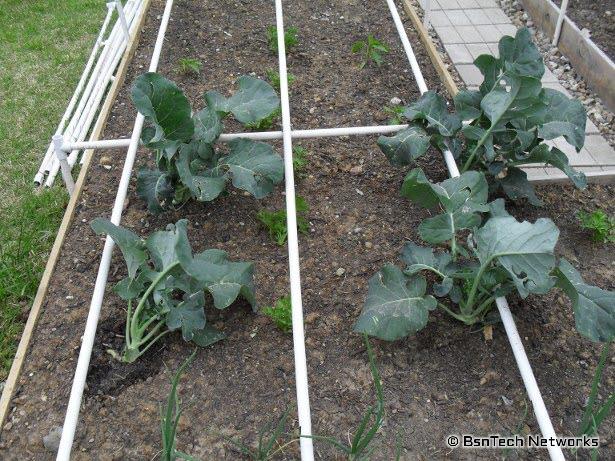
(44, 47)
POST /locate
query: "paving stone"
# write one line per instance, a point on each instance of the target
(476, 49)
(549, 77)
(590, 128)
(477, 17)
(600, 149)
(556, 86)
(433, 4)
(489, 33)
(464, 4)
(448, 35)
(449, 4)
(507, 29)
(487, 3)
(534, 173)
(574, 157)
(495, 50)
(439, 18)
(459, 54)
(497, 16)
(458, 17)
(469, 34)
(470, 74)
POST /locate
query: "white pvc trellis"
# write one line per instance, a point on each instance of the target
(287, 134)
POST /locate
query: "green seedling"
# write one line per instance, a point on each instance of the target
(396, 114)
(275, 221)
(490, 254)
(600, 224)
(169, 419)
(371, 50)
(595, 414)
(267, 446)
(500, 127)
(281, 314)
(189, 161)
(265, 123)
(187, 66)
(300, 160)
(290, 38)
(359, 447)
(171, 288)
(274, 79)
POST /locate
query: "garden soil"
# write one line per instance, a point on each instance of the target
(448, 379)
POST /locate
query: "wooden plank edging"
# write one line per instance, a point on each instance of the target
(35, 311)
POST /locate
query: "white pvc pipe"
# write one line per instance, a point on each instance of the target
(122, 19)
(79, 129)
(531, 386)
(258, 135)
(58, 139)
(301, 376)
(560, 21)
(38, 178)
(81, 371)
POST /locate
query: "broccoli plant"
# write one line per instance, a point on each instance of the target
(167, 287)
(500, 127)
(497, 256)
(371, 49)
(189, 164)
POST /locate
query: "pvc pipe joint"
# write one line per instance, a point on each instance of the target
(58, 141)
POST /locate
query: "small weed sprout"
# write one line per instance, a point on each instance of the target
(601, 225)
(268, 447)
(371, 49)
(290, 38)
(595, 413)
(169, 419)
(359, 447)
(396, 113)
(281, 314)
(265, 123)
(188, 66)
(300, 160)
(275, 221)
(274, 78)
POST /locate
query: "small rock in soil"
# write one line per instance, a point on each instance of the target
(52, 440)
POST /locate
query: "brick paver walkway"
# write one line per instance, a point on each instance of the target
(469, 28)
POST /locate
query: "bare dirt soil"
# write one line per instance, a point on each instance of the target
(448, 379)
(598, 18)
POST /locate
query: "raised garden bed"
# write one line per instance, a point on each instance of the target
(446, 380)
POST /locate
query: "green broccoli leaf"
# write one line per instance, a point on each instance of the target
(131, 245)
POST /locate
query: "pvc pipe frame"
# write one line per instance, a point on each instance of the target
(525, 369)
(560, 22)
(81, 371)
(38, 178)
(88, 107)
(287, 134)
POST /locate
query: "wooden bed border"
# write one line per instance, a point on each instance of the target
(35, 311)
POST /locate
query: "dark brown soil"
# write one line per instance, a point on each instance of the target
(446, 380)
(599, 18)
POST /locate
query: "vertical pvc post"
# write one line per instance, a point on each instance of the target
(122, 19)
(87, 343)
(58, 140)
(560, 21)
(301, 378)
(427, 14)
